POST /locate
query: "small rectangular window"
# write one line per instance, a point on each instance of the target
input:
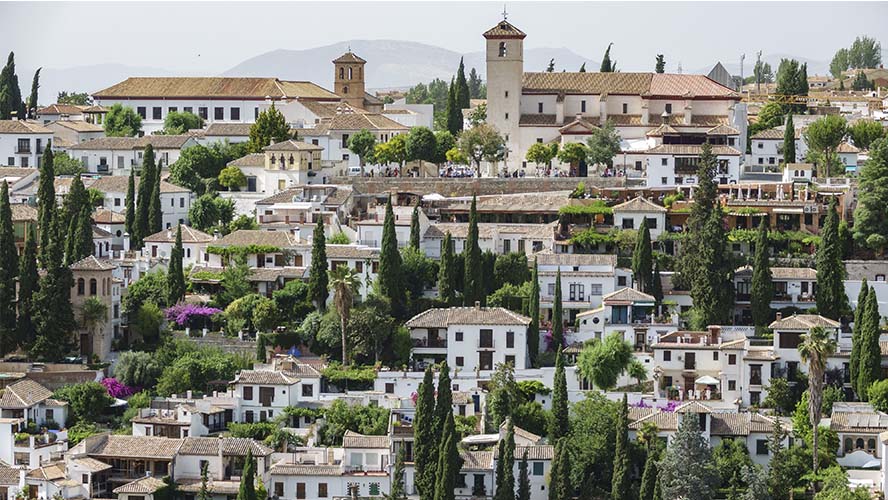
(582, 106)
(219, 113)
(732, 385)
(539, 107)
(507, 94)
(507, 116)
(235, 114)
(732, 359)
(460, 361)
(625, 108)
(538, 468)
(202, 112)
(172, 109)
(669, 108)
(156, 113)
(664, 161)
(667, 355)
(141, 111)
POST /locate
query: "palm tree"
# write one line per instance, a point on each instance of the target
(344, 283)
(93, 313)
(815, 348)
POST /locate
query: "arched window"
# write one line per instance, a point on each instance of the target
(849, 445)
(93, 286)
(871, 444)
(341, 73)
(291, 159)
(349, 73)
(859, 443)
(345, 89)
(502, 49)
(81, 286)
(272, 159)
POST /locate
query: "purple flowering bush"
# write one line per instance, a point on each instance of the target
(184, 314)
(116, 389)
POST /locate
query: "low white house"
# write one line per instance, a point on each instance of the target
(585, 279)
(67, 133)
(671, 165)
(22, 143)
(31, 401)
(630, 214)
(194, 244)
(118, 155)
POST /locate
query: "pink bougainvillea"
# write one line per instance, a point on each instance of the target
(183, 314)
(118, 390)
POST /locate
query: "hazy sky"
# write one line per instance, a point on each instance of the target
(210, 37)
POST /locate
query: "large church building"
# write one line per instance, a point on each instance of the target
(662, 119)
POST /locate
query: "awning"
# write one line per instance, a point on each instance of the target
(707, 380)
(789, 211)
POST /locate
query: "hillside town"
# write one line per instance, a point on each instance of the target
(542, 284)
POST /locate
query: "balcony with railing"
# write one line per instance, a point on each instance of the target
(430, 343)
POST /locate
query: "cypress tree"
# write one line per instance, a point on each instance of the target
(247, 489)
(559, 425)
(559, 476)
(606, 65)
(425, 434)
(472, 286)
(46, 201)
(261, 347)
(28, 279)
(869, 367)
(642, 257)
(414, 228)
(317, 275)
(8, 271)
(53, 314)
(453, 113)
(176, 273)
(557, 320)
(533, 329)
(523, 479)
(505, 480)
(831, 299)
(448, 461)
(857, 335)
(131, 203)
(762, 288)
(155, 211)
(83, 240)
(462, 89)
(398, 491)
(620, 480)
(32, 99)
(444, 403)
(10, 92)
(649, 477)
(657, 290)
(143, 199)
(391, 280)
(789, 152)
(446, 273)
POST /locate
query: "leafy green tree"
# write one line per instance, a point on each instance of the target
(831, 300)
(143, 200)
(65, 165)
(362, 144)
(870, 223)
(839, 63)
(393, 151)
(789, 150)
(870, 355)
(511, 268)
(53, 315)
(606, 65)
(660, 67)
(446, 272)
(232, 178)
(503, 395)
(824, 136)
(861, 83)
(541, 154)
(762, 288)
(573, 153)
(657, 288)
(533, 330)
(816, 347)
(857, 335)
(270, 128)
(481, 142)
(878, 395)
(472, 285)
(602, 362)
(210, 212)
(780, 397)
(642, 257)
(122, 121)
(462, 87)
(603, 145)
(448, 461)
(137, 368)
(792, 79)
(425, 437)
(9, 270)
(505, 482)
(414, 228)
(317, 275)
(865, 132)
(86, 400)
(80, 235)
(836, 486)
(523, 492)
(391, 279)
(444, 142)
(620, 485)
(76, 98)
(28, 282)
(865, 52)
(780, 479)
(420, 145)
(730, 458)
(592, 434)
(687, 470)
(179, 122)
(559, 425)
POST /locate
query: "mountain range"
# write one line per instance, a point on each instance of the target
(390, 64)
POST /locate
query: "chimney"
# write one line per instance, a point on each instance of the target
(714, 333)
(216, 235)
(779, 316)
(477, 305)
(188, 394)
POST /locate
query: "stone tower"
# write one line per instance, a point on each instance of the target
(348, 80)
(505, 70)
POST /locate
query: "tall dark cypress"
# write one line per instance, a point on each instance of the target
(789, 151)
(8, 272)
(448, 461)
(444, 403)
(463, 99)
(32, 99)
(857, 335)
(247, 489)
(657, 290)
(523, 479)
(143, 199)
(53, 316)
(649, 476)
(129, 226)
(533, 330)
(559, 477)
(453, 114)
(317, 275)
(391, 278)
(425, 437)
(559, 424)
(505, 483)
(642, 259)
(176, 273)
(46, 201)
(414, 228)
(869, 368)
(398, 490)
(557, 319)
(472, 286)
(83, 239)
(620, 483)
(762, 287)
(11, 104)
(155, 210)
(831, 300)
(28, 279)
(447, 273)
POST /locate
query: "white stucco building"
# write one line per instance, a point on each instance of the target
(22, 143)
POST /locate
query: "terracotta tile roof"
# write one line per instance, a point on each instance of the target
(215, 87)
(51, 472)
(189, 235)
(639, 204)
(443, 318)
(504, 29)
(244, 237)
(91, 263)
(119, 184)
(91, 464)
(107, 143)
(862, 421)
(15, 172)
(636, 412)
(228, 129)
(690, 149)
(335, 252)
(354, 440)
(119, 446)
(99, 233)
(282, 469)
(776, 134)
(548, 258)
(803, 322)
(358, 121)
(538, 120)
(579, 125)
(291, 145)
(105, 216)
(22, 127)
(741, 424)
(22, 213)
(273, 274)
(349, 57)
(588, 83)
(163, 141)
(722, 130)
(250, 160)
(847, 148)
(8, 475)
(78, 126)
(488, 230)
(23, 394)
(477, 460)
(662, 130)
(330, 109)
(673, 85)
(227, 446)
(693, 407)
(61, 109)
(264, 377)
(664, 420)
(535, 452)
(541, 202)
(627, 295)
(148, 484)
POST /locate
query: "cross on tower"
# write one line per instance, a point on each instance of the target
(505, 14)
